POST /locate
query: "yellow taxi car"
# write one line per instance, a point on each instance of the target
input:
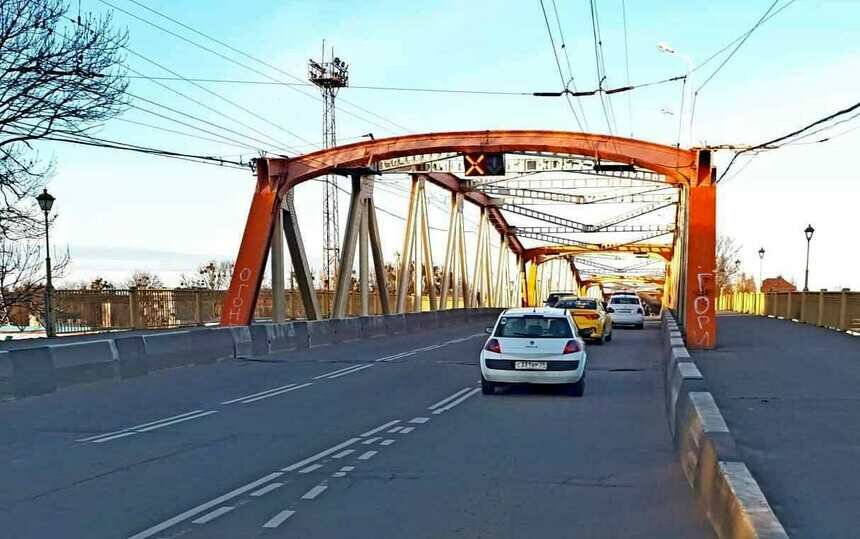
(591, 318)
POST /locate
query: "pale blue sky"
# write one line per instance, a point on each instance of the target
(801, 65)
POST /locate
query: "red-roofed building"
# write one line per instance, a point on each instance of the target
(777, 284)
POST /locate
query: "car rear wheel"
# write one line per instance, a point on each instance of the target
(487, 387)
(640, 326)
(577, 389)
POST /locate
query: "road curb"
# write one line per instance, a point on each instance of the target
(720, 480)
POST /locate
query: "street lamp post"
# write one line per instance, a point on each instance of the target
(46, 201)
(809, 231)
(760, 264)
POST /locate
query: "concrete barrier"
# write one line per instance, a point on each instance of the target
(709, 458)
(371, 327)
(84, 362)
(242, 343)
(319, 333)
(345, 329)
(132, 357)
(168, 350)
(395, 324)
(32, 372)
(210, 345)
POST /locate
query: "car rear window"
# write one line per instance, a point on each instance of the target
(534, 327)
(577, 304)
(625, 301)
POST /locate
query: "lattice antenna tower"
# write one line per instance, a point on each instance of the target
(329, 76)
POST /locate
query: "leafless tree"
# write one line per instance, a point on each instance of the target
(22, 277)
(212, 275)
(144, 280)
(728, 268)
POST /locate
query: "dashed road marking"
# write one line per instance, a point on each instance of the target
(339, 474)
(279, 519)
(370, 441)
(386, 442)
(314, 492)
(343, 453)
(367, 455)
(406, 430)
(310, 468)
(419, 420)
(267, 489)
(395, 429)
(213, 515)
(304, 462)
(347, 468)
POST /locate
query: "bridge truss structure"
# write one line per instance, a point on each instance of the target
(533, 235)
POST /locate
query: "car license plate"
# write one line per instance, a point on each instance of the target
(624, 311)
(530, 365)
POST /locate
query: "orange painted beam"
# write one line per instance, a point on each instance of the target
(700, 322)
(678, 165)
(241, 298)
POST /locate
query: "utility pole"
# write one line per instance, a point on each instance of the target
(329, 76)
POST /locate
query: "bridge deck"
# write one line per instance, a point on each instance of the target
(789, 393)
(517, 464)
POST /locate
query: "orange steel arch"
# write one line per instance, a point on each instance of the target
(275, 176)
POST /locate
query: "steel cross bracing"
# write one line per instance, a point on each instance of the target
(526, 196)
(638, 212)
(614, 228)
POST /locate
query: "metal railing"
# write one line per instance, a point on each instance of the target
(834, 310)
(81, 311)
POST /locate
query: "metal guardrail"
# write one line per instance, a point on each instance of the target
(82, 311)
(834, 310)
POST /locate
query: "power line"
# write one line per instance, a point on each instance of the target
(558, 65)
(770, 144)
(627, 66)
(598, 48)
(237, 51)
(569, 65)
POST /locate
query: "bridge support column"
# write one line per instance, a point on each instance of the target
(299, 259)
(699, 274)
(416, 258)
(277, 269)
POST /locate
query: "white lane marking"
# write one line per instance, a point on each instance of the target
(213, 515)
(314, 492)
(279, 519)
(456, 402)
(334, 372)
(276, 393)
(371, 432)
(387, 442)
(367, 455)
(153, 427)
(407, 430)
(343, 453)
(339, 474)
(175, 421)
(267, 489)
(310, 468)
(347, 468)
(419, 420)
(353, 371)
(446, 399)
(396, 356)
(395, 429)
(321, 454)
(149, 532)
(89, 438)
(371, 440)
(252, 395)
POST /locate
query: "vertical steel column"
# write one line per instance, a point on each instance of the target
(378, 262)
(299, 260)
(425, 249)
(416, 266)
(347, 252)
(447, 264)
(476, 273)
(363, 266)
(465, 288)
(500, 272)
(700, 272)
(406, 251)
(277, 267)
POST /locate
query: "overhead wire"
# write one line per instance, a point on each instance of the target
(246, 55)
(599, 68)
(564, 82)
(627, 66)
(569, 64)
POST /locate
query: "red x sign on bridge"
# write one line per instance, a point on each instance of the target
(484, 164)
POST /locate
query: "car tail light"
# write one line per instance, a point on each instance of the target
(493, 346)
(592, 316)
(572, 347)
(610, 310)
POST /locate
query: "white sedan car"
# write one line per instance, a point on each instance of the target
(626, 310)
(534, 346)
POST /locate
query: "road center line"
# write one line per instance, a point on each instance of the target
(456, 402)
(361, 368)
(446, 399)
(276, 393)
(175, 421)
(89, 438)
(213, 515)
(334, 372)
(279, 519)
(149, 532)
(380, 428)
(252, 395)
(321, 454)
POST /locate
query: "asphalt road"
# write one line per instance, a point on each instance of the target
(386, 438)
(789, 394)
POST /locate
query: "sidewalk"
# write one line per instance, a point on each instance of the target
(791, 396)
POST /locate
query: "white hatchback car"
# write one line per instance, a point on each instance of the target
(534, 346)
(626, 310)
